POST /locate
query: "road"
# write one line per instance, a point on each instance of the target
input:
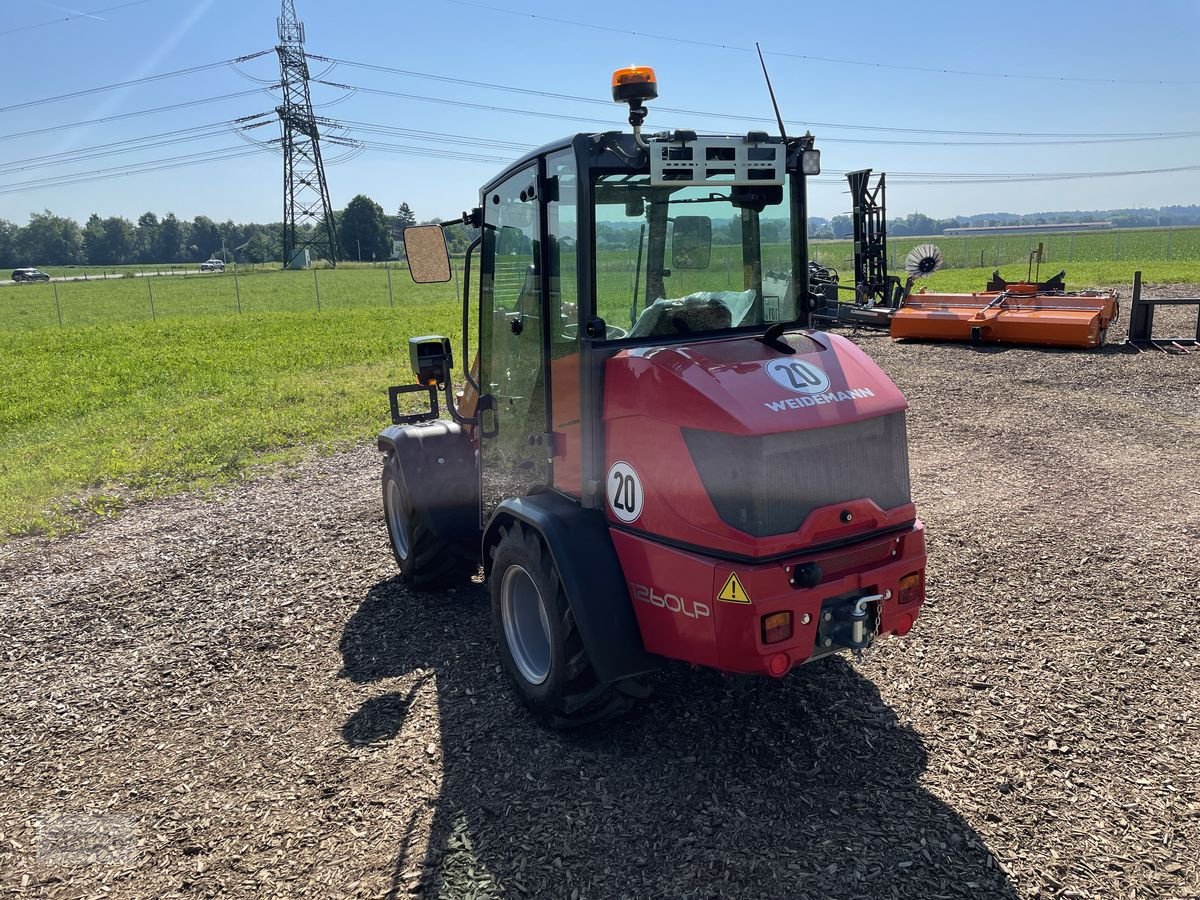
(105, 276)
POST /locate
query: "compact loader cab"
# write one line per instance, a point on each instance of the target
(652, 457)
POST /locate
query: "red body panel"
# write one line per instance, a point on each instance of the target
(564, 375)
(672, 552)
(650, 394)
(675, 597)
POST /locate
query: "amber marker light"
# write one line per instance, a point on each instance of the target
(776, 627)
(910, 588)
(636, 83)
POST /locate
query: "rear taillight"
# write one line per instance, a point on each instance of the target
(776, 627)
(910, 588)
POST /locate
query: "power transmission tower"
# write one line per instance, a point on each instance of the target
(305, 192)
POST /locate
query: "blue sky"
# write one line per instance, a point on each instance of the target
(698, 50)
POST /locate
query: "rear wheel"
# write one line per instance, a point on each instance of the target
(425, 560)
(540, 646)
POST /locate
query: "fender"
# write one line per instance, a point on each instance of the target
(591, 576)
(437, 462)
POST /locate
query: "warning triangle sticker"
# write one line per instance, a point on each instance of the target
(733, 592)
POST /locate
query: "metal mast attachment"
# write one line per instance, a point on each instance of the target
(305, 192)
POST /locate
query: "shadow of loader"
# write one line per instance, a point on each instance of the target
(804, 787)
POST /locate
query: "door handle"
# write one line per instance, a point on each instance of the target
(486, 405)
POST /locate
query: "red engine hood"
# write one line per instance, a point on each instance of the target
(743, 386)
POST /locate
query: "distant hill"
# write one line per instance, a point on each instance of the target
(1122, 218)
(921, 224)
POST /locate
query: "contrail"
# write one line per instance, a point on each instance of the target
(74, 12)
(148, 64)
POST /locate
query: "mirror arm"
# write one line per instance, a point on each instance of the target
(450, 405)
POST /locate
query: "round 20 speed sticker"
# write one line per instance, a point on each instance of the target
(625, 497)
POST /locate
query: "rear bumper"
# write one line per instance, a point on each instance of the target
(710, 612)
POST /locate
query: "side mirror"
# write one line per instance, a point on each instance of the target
(428, 258)
(691, 242)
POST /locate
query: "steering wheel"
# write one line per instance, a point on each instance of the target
(611, 332)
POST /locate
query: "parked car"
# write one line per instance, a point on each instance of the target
(212, 265)
(29, 275)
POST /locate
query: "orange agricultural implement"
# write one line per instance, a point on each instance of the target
(1017, 313)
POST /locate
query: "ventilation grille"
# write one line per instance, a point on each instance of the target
(768, 484)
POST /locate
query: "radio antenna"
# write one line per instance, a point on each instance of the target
(771, 91)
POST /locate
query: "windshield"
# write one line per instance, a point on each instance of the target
(686, 260)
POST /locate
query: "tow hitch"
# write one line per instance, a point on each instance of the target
(848, 622)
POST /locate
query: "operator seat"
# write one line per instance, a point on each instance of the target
(688, 315)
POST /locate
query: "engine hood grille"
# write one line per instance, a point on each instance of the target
(768, 484)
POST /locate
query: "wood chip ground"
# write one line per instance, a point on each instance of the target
(231, 695)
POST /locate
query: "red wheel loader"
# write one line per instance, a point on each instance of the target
(652, 457)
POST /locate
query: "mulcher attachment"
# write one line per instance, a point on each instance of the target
(1018, 313)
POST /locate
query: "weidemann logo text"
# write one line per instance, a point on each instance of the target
(819, 399)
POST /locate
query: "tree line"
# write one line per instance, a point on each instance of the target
(363, 229)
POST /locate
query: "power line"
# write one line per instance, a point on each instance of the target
(95, 13)
(465, 104)
(136, 81)
(130, 115)
(959, 178)
(436, 137)
(177, 162)
(131, 145)
(1099, 137)
(438, 153)
(824, 59)
(441, 101)
(917, 177)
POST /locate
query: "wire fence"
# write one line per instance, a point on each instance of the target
(1061, 249)
(136, 297)
(74, 303)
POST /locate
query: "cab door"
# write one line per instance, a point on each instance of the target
(514, 456)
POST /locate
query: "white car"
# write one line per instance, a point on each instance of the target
(212, 265)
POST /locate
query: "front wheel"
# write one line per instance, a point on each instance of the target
(426, 561)
(540, 646)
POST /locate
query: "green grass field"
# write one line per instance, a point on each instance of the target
(120, 403)
(149, 298)
(93, 416)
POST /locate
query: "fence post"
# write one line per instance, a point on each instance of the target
(317, 285)
(57, 308)
(389, 276)
(150, 291)
(237, 288)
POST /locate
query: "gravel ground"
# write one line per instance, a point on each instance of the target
(230, 695)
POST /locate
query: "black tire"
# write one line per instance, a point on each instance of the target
(548, 665)
(426, 561)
